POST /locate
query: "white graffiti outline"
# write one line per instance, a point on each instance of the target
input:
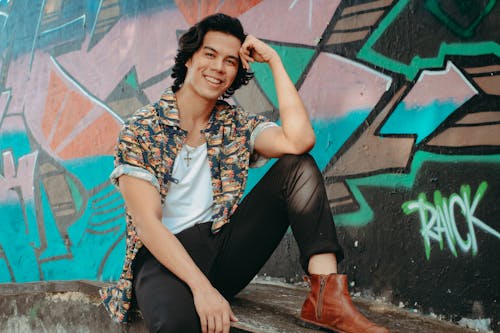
(4, 22)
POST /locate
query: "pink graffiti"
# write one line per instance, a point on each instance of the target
(124, 47)
(4, 100)
(21, 178)
(345, 86)
(308, 17)
(442, 85)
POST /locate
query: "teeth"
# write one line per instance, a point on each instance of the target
(213, 80)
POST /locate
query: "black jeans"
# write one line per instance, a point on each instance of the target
(291, 194)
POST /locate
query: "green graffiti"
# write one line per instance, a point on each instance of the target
(75, 193)
(398, 180)
(368, 53)
(438, 220)
(435, 8)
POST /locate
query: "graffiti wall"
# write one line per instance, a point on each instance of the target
(404, 97)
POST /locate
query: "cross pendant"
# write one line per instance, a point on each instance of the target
(187, 159)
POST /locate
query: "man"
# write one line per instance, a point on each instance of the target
(181, 165)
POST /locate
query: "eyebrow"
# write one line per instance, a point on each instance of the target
(214, 50)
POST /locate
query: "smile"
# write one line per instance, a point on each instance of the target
(213, 80)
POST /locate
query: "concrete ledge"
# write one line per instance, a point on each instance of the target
(64, 306)
(56, 306)
(74, 306)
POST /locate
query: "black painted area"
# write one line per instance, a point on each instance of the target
(284, 263)
(428, 32)
(390, 258)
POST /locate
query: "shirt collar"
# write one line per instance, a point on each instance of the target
(169, 112)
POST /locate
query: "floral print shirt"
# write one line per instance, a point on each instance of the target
(147, 147)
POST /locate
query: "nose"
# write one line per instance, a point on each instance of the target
(218, 64)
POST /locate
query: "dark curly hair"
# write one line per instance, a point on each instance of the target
(191, 41)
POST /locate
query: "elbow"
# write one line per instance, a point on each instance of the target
(139, 231)
(142, 225)
(305, 144)
(309, 142)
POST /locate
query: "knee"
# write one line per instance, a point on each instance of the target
(303, 160)
(303, 164)
(301, 173)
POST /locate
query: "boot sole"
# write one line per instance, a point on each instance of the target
(314, 325)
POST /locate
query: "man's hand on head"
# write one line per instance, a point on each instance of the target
(255, 50)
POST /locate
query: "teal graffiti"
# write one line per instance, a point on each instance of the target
(419, 120)
(438, 220)
(100, 228)
(18, 244)
(90, 247)
(56, 247)
(16, 143)
(3, 20)
(19, 236)
(466, 7)
(331, 135)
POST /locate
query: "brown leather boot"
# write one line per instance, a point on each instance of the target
(329, 305)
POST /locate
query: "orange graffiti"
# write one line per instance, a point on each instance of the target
(74, 125)
(195, 10)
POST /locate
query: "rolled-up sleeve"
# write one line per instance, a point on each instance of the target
(257, 160)
(132, 156)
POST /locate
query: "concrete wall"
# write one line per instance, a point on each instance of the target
(404, 97)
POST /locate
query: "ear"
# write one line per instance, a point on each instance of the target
(188, 63)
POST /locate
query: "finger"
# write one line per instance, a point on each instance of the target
(247, 55)
(249, 39)
(249, 60)
(232, 317)
(211, 324)
(245, 60)
(226, 323)
(245, 49)
(218, 324)
(203, 324)
(248, 51)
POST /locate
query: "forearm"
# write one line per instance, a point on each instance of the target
(295, 121)
(296, 135)
(169, 251)
(144, 205)
(211, 307)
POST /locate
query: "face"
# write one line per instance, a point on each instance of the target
(213, 67)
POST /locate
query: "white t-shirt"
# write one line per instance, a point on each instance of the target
(189, 199)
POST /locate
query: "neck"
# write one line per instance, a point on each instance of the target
(192, 108)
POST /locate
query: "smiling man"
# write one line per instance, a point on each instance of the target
(182, 164)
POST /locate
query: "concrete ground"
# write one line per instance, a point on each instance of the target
(273, 307)
(263, 307)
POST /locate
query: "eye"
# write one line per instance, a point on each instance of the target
(209, 54)
(231, 61)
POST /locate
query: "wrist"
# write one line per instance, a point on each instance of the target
(199, 284)
(274, 59)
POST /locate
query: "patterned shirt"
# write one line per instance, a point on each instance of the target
(147, 147)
